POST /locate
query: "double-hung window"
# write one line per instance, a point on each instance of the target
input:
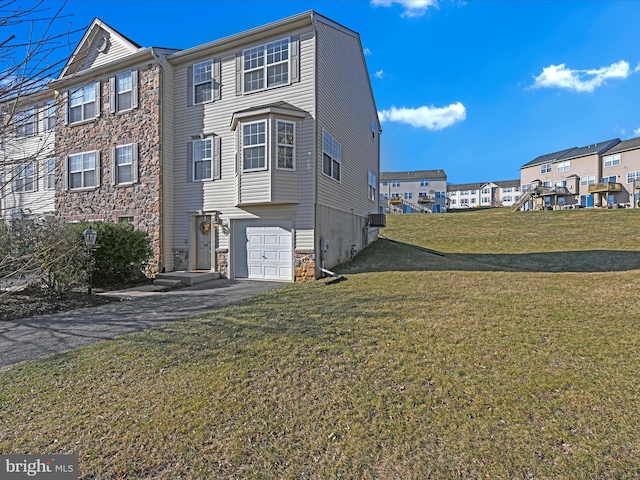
(202, 159)
(124, 91)
(395, 183)
(25, 123)
(285, 132)
(545, 168)
(24, 178)
(564, 166)
(331, 156)
(373, 185)
(612, 160)
(587, 180)
(49, 116)
(83, 170)
(203, 82)
(631, 176)
(407, 195)
(266, 66)
(50, 174)
(124, 164)
(254, 146)
(424, 182)
(82, 103)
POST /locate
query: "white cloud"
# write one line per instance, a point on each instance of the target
(559, 76)
(380, 74)
(636, 132)
(412, 8)
(431, 118)
(366, 51)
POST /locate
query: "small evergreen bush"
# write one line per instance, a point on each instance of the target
(121, 253)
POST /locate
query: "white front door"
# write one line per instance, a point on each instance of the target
(264, 250)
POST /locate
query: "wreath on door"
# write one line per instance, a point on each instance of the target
(205, 227)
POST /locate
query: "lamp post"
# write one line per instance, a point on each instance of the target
(90, 236)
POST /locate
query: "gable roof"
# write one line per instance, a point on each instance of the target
(598, 148)
(573, 152)
(465, 186)
(508, 183)
(548, 158)
(96, 41)
(625, 145)
(415, 175)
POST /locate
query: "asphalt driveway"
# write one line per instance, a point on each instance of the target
(36, 337)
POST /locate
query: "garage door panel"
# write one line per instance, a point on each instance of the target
(264, 251)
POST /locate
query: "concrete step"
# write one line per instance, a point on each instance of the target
(187, 278)
(165, 282)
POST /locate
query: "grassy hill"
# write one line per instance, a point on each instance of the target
(485, 344)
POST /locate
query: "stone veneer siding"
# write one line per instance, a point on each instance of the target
(305, 265)
(142, 125)
(222, 261)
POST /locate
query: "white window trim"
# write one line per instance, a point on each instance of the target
(267, 156)
(23, 120)
(19, 172)
(96, 113)
(48, 174)
(292, 146)
(588, 180)
(373, 185)
(612, 160)
(118, 92)
(49, 113)
(333, 159)
(197, 84)
(564, 166)
(193, 160)
(265, 65)
(545, 168)
(96, 169)
(117, 166)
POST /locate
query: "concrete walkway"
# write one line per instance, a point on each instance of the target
(141, 309)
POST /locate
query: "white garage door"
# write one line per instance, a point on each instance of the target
(264, 251)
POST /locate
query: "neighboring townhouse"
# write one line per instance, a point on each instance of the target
(256, 155)
(501, 193)
(413, 192)
(464, 195)
(571, 178)
(621, 173)
(27, 164)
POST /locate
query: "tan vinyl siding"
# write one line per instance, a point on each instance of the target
(346, 110)
(33, 149)
(116, 51)
(214, 118)
(255, 187)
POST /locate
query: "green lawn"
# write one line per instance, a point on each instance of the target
(485, 344)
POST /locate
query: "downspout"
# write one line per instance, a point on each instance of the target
(314, 152)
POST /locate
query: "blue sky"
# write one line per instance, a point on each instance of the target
(476, 88)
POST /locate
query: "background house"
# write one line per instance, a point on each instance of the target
(413, 192)
(501, 193)
(590, 176)
(27, 164)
